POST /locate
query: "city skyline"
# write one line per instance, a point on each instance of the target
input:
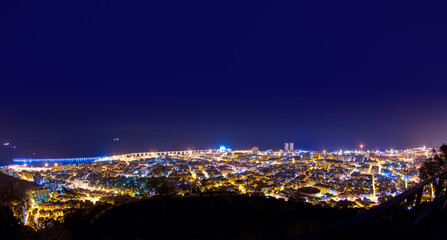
(288, 149)
(8, 147)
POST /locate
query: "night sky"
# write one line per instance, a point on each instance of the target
(173, 75)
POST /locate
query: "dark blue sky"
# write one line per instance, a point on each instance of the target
(167, 75)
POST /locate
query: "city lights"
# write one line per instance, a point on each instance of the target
(331, 178)
(360, 177)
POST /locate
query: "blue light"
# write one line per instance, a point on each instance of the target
(30, 160)
(222, 148)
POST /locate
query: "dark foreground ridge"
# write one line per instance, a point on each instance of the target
(216, 217)
(12, 189)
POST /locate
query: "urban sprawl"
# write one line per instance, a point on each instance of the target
(354, 178)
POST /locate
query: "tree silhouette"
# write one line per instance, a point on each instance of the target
(159, 185)
(435, 164)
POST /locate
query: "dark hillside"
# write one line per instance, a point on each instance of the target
(218, 217)
(12, 188)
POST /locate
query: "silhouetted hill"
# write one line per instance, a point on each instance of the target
(215, 217)
(12, 188)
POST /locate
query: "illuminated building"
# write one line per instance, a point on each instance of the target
(254, 151)
(40, 194)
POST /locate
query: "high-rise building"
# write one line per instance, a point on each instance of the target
(291, 147)
(254, 151)
(286, 147)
